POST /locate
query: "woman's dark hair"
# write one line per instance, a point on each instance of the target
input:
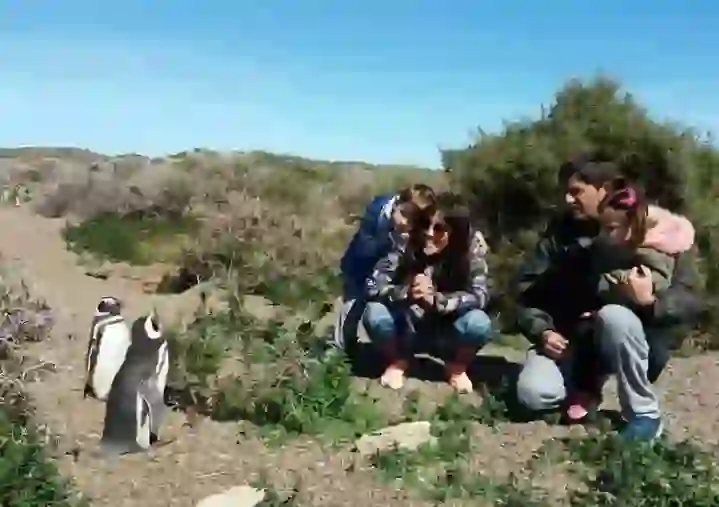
(453, 263)
(627, 197)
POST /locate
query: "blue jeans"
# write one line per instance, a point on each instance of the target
(471, 328)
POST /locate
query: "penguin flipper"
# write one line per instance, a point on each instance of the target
(143, 430)
(157, 405)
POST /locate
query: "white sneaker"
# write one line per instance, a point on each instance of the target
(461, 383)
(393, 378)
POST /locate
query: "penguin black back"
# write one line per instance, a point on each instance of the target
(131, 381)
(146, 339)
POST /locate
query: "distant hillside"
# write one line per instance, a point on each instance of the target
(82, 155)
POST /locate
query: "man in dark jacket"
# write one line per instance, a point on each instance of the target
(575, 341)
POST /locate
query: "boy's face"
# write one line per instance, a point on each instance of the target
(401, 222)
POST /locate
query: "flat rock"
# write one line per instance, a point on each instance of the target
(408, 436)
(239, 496)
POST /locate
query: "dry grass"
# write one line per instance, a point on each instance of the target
(278, 224)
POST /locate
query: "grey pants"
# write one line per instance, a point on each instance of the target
(623, 349)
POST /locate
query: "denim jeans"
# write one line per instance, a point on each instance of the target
(469, 328)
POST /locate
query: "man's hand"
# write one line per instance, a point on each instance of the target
(554, 344)
(638, 286)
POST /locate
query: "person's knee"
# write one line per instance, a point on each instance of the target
(540, 385)
(620, 334)
(617, 325)
(378, 321)
(474, 327)
(537, 395)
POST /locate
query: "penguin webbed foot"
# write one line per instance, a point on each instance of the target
(112, 452)
(153, 438)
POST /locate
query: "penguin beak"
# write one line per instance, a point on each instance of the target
(154, 320)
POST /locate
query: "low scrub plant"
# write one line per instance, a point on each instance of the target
(275, 374)
(135, 239)
(28, 477)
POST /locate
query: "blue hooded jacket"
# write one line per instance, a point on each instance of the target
(371, 242)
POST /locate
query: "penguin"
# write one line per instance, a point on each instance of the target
(136, 403)
(106, 349)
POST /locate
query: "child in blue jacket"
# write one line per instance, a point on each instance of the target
(384, 226)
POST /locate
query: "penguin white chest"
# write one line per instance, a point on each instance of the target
(106, 356)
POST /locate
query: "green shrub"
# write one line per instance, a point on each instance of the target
(608, 471)
(274, 374)
(511, 177)
(296, 292)
(135, 239)
(28, 477)
(624, 475)
(439, 471)
(268, 249)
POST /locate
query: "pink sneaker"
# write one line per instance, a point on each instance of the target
(579, 404)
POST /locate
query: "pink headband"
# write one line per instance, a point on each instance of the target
(627, 197)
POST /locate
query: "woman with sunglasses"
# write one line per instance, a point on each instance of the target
(635, 239)
(436, 288)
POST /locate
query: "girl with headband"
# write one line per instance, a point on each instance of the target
(636, 236)
(636, 239)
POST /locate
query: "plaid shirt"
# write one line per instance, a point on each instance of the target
(382, 284)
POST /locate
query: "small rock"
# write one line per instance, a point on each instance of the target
(408, 435)
(102, 275)
(239, 496)
(260, 307)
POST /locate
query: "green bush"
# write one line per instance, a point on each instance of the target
(274, 374)
(28, 477)
(664, 474)
(511, 177)
(606, 471)
(268, 249)
(132, 238)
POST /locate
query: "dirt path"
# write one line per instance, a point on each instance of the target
(214, 456)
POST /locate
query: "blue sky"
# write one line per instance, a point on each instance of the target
(389, 80)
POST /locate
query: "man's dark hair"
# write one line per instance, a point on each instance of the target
(591, 170)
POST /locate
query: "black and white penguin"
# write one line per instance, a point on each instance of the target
(107, 347)
(136, 405)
